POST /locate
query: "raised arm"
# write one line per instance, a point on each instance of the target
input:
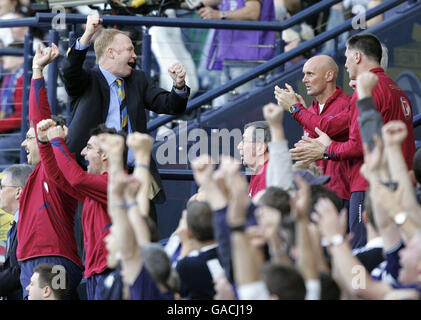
(246, 258)
(89, 185)
(375, 170)
(141, 144)
(394, 133)
(351, 271)
(279, 170)
(118, 206)
(306, 261)
(39, 107)
(75, 78)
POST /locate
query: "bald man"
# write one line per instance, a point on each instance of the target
(329, 113)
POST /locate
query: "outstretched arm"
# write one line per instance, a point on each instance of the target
(279, 170)
(394, 133)
(39, 107)
(352, 273)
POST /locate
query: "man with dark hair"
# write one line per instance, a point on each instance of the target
(44, 284)
(283, 282)
(276, 198)
(197, 272)
(387, 98)
(255, 153)
(368, 44)
(12, 184)
(320, 191)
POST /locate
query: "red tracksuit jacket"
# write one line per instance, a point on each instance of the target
(393, 104)
(334, 121)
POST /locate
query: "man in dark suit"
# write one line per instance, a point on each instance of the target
(197, 271)
(115, 94)
(11, 186)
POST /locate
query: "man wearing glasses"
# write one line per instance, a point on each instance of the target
(11, 186)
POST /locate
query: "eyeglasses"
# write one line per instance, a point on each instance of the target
(3, 186)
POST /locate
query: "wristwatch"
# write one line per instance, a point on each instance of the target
(292, 108)
(325, 154)
(336, 240)
(400, 218)
(223, 15)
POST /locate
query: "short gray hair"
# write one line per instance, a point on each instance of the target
(19, 173)
(258, 126)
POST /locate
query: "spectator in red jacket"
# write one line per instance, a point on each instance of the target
(11, 89)
(329, 113)
(363, 54)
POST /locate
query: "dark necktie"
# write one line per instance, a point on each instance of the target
(123, 105)
(10, 235)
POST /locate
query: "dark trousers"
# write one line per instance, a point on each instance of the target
(355, 219)
(95, 285)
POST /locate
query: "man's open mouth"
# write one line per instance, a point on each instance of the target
(132, 64)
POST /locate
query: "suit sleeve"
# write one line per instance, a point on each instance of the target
(161, 101)
(333, 126)
(9, 280)
(351, 149)
(93, 186)
(76, 79)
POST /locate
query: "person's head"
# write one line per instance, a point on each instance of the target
(200, 221)
(300, 165)
(363, 52)
(11, 186)
(7, 6)
(158, 264)
(13, 63)
(410, 260)
(31, 147)
(254, 146)
(320, 191)
(320, 73)
(92, 153)
(115, 52)
(45, 285)
(283, 282)
(276, 198)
